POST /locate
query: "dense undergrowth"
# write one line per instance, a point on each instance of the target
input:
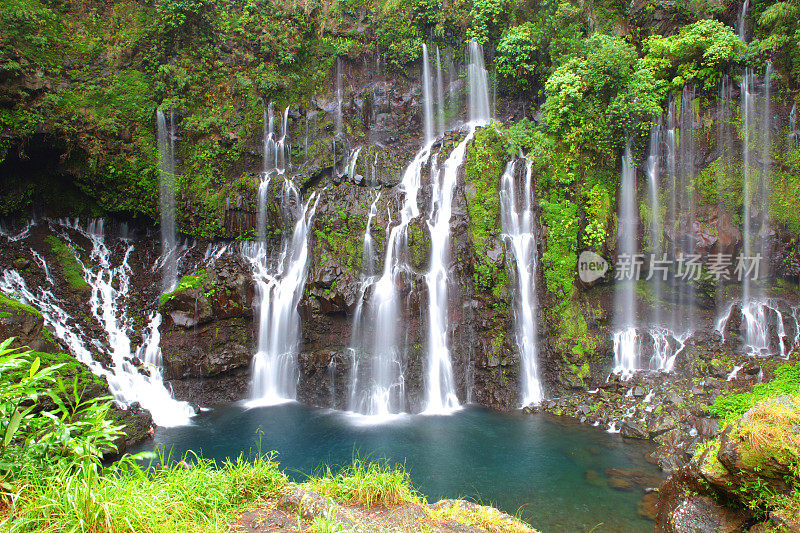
(787, 382)
(53, 476)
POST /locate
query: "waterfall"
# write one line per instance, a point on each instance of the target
(793, 134)
(440, 392)
(427, 96)
(666, 347)
(384, 392)
(279, 285)
(439, 94)
(351, 164)
(268, 139)
(763, 186)
(439, 384)
(339, 98)
(478, 85)
(166, 152)
(625, 348)
(764, 327)
(725, 149)
(110, 291)
(656, 226)
(740, 21)
(747, 112)
(517, 227)
(686, 154)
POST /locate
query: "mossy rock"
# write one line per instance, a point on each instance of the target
(419, 244)
(26, 324)
(68, 264)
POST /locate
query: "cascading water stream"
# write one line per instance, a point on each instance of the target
(440, 393)
(763, 326)
(656, 225)
(353, 161)
(741, 19)
(280, 285)
(440, 111)
(686, 200)
(427, 96)
(110, 290)
(166, 188)
(382, 393)
(339, 98)
(747, 112)
(766, 169)
(626, 347)
(517, 227)
(478, 85)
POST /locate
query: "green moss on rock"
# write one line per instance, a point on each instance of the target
(486, 159)
(68, 263)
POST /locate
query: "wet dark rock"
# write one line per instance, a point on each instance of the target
(26, 324)
(702, 513)
(230, 386)
(208, 331)
(707, 427)
(682, 507)
(634, 430)
(648, 506)
(661, 425)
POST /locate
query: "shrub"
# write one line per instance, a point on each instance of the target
(730, 407)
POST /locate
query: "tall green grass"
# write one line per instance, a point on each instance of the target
(193, 495)
(366, 483)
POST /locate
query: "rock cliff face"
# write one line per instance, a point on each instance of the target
(744, 480)
(207, 338)
(350, 148)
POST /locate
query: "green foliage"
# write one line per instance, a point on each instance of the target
(560, 258)
(699, 53)
(519, 60)
(67, 260)
(521, 137)
(730, 407)
(595, 101)
(193, 494)
(190, 281)
(69, 436)
(29, 27)
(784, 187)
(341, 239)
(484, 164)
(598, 215)
(176, 15)
(367, 483)
(778, 36)
(10, 305)
(487, 20)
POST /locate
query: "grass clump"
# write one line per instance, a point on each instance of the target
(10, 305)
(486, 518)
(770, 435)
(730, 407)
(189, 281)
(173, 496)
(70, 267)
(366, 483)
